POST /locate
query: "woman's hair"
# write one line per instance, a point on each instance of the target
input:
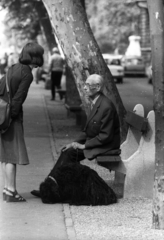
(32, 53)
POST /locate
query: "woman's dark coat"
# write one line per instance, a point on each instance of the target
(19, 77)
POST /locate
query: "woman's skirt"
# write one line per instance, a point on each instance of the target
(12, 145)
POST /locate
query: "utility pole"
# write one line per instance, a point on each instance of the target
(156, 15)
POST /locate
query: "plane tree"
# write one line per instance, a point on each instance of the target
(71, 26)
(68, 21)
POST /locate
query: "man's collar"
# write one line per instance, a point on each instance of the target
(95, 99)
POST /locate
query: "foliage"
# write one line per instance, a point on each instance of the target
(112, 22)
(22, 18)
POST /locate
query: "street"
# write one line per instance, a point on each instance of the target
(134, 91)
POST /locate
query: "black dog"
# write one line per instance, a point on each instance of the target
(76, 184)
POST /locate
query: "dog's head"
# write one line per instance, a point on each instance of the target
(49, 191)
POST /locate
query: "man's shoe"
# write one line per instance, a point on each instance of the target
(36, 193)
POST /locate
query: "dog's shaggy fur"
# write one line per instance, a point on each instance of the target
(76, 184)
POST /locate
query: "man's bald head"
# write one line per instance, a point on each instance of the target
(93, 85)
(95, 79)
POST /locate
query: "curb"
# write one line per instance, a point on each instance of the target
(69, 223)
(66, 209)
(49, 125)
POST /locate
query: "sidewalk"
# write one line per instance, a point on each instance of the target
(129, 219)
(33, 219)
(47, 128)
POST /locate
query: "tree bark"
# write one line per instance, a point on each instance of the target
(51, 42)
(83, 3)
(82, 53)
(45, 24)
(157, 42)
(72, 94)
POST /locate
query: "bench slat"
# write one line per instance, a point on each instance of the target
(136, 121)
(114, 166)
(108, 158)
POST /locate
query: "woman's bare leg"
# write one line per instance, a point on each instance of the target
(3, 166)
(11, 176)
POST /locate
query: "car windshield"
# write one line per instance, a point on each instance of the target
(113, 61)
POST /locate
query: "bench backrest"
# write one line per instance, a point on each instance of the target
(130, 145)
(140, 166)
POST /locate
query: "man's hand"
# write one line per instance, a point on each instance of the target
(77, 145)
(74, 145)
(66, 147)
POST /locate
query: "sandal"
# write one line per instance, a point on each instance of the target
(15, 197)
(4, 194)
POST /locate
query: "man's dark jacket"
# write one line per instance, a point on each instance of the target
(101, 134)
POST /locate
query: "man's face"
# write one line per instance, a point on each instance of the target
(91, 87)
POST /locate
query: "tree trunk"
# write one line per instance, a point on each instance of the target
(51, 42)
(157, 43)
(45, 24)
(82, 53)
(72, 94)
(83, 3)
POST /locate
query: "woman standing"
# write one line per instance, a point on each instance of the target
(12, 145)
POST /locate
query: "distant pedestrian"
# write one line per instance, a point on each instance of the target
(56, 68)
(12, 145)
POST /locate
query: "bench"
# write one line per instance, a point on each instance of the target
(140, 165)
(137, 126)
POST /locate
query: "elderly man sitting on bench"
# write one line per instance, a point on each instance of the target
(101, 134)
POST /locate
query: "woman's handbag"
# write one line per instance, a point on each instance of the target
(5, 110)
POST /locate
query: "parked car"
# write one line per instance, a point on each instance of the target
(114, 64)
(149, 74)
(133, 66)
